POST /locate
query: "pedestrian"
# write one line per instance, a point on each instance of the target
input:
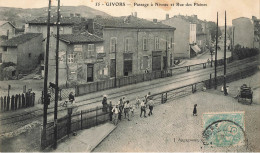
(132, 109)
(104, 103)
(208, 61)
(120, 106)
(71, 97)
(115, 112)
(143, 107)
(110, 110)
(150, 105)
(126, 109)
(195, 110)
(137, 104)
(147, 97)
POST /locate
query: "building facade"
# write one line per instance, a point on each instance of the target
(80, 58)
(23, 50)
(133, 45)
(243, 29)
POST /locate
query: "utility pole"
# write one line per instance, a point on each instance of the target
(115, 64)
(216, 53)
(166, 66)
(45, 105)
(225, 63)
(57, 78)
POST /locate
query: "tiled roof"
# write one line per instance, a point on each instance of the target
(15, 41)
(3, 22)
(63, 20)
(130, 22)
(80, 38)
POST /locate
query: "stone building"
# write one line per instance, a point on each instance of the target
(23, 50)
(133, 45)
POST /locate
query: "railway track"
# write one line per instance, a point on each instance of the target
(26, 118)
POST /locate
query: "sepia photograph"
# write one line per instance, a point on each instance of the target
(129, 76)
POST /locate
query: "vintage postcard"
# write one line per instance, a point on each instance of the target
(129, 76)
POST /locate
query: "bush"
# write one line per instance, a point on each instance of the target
(242, 52)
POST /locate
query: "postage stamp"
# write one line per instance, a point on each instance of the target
(224, 129)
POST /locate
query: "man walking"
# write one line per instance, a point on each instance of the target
(143, 107)
(115, 111)
(150, 104)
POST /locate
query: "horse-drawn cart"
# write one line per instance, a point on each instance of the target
(245, 93)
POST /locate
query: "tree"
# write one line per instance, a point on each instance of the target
(213, 29)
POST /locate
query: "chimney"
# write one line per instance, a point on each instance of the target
(154, 20)
(167, 16)
(71, 14)
(90, 26)
(135, 14)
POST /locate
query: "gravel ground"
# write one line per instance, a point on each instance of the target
(173, 128)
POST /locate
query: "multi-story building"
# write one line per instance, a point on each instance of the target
(243, 29)
(191, 35)
(133, 45)
(7, 29)
(80, 58)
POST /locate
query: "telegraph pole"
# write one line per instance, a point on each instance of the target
(57, 78)
(216, 53)
(45, 105)
(225, 65)
(115, 65)
(166, 56)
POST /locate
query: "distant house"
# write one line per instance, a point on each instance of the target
(7, 29)
(23, 50)
(243, 29)
(80, 58)
(191, 35)
(133, 45)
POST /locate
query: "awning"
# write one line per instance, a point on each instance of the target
(196, 48)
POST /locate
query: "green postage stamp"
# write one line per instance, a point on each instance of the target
(224, 129)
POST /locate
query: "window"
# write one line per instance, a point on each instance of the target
(1, 61)
(157, 42)
(5, 49)
(113, 42)
(145, 43)
(61, 29)
(127, 44)
(71, 58)
(171, 42)
(78, 48)
(29, 55)
(91, 52)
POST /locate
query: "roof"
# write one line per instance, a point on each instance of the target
(15, 41)
(63, 20)
(4, 22)
(80, 38)
(130, 22)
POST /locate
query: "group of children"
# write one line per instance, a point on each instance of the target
(124, 106)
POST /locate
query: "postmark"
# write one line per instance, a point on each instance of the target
(224, 129)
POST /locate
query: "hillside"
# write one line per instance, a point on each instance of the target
(19, 16)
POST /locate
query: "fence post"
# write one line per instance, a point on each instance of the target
(96, 115)
(12, 102)
(210, 81)
(81, 120)
(5, 104)
(19, 99)
(166, 97)
(33, 98)
(15, 102)
(162, 98)
(23, 101)
(69, 121)
(8, 103)
(2, 103)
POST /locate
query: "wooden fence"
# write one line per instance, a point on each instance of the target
(18, 101)
(128, 80)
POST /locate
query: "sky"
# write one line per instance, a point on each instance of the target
(234, 8)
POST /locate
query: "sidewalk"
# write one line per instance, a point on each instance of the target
(85, 140)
